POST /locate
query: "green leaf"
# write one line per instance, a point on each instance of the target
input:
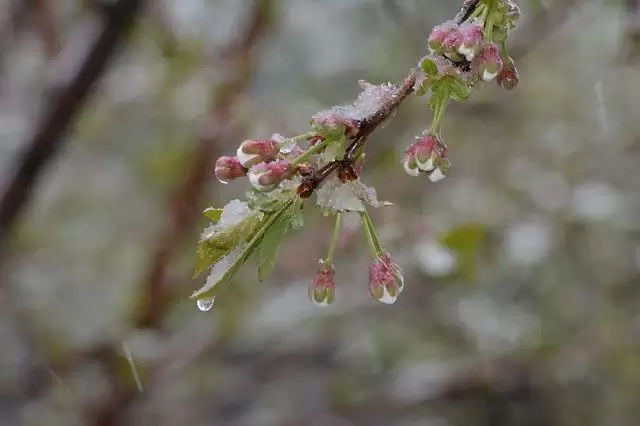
(212, 214)
(459, 91)
(334, 149)
(429, 66)
(212, 249)
(270, 245)
(297, 218)
(269, 220)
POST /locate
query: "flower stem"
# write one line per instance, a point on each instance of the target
(438, 114)
(370, 234)
(313, 150)
(334, 238)
(296, 138)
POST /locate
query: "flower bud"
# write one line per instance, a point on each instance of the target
(437, 36)
(333, 122)
(508, 77)
(266, 177)
(427, 154)
(228, 169)
(254, 151)
(322, 289)
(386, 280)
(488, 63)
(471, 40)
(451, 44)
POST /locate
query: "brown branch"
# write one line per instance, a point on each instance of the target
(50, 132)
(49, 32)
(183, 207)
(369, 124)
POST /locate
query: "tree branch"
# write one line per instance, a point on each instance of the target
(50, 133)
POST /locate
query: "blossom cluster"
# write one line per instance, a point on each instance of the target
(328, 161)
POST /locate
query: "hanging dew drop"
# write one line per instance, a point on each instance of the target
(205, 304)
(222, 181)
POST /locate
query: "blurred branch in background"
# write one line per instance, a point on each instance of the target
(184, 207)
(15, 19)
(48, 26)
(544, 22)
(633, 28)
(59, 114)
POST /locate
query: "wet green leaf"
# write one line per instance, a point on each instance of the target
(458, 90)
(429, 66)
(212, 214)
(270, 245)
(222, 241)
(254, 239)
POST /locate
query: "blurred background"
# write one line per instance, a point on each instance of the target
(522, 296)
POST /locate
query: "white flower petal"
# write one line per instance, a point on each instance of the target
(488, 76)
(411, 172)
(243, 157)
(467, 52)
(387, 298)
(436, 175)
(427, 166)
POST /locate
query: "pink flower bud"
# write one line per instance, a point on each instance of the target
(228, 169)
(322, 289)
(508, 77)
(254, 151)
(488, 63)
(332, 121)
(437, 36)
(451, 44)
(427, 154)
(472, 35)
(386, 280)
(266, 177)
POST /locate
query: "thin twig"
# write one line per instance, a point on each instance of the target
(183, 207)
(49, 136)
(49, 31)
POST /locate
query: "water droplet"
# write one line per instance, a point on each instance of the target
(205, 304)
(222, 180)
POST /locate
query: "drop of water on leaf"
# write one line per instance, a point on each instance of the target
(222, 181)
(205, 304)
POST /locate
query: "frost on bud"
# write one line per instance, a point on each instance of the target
(331, 121)
(438, 35)
(386, 280)
(228, 169)
(471, 40)
(508, 77)
(488, 63)
(267, 176)
(322, 289)
(427, 154)
(451, 44)
(254, 151)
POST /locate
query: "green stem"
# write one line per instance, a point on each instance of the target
(488, 26)
(477, 12)
(296, 138)
(438, 114)
(504, 51)
(334, 238)
(313, 150)
(372, 237)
